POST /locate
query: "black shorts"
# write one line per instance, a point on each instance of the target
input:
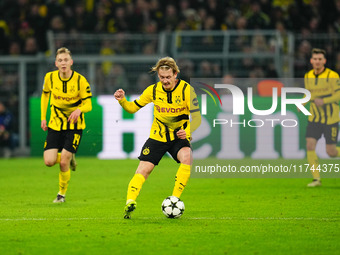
(153, 150)
(330, 132)
(65, 139)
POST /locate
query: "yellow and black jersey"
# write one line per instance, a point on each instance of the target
(66, 96)
(325, 85)
(171, 109)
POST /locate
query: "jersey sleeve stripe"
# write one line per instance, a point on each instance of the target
(86, 98)
(196, 110)
(140, 106)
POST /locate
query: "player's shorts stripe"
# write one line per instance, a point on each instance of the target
(137, 104)
(196, 110)
(337, 90)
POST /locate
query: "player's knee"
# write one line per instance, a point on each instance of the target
(186, 159)
(310, 147)
(64, 163)
(49, 162)
(332, 152)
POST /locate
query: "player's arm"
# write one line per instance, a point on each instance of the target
(195, 113)
(132, 107)
(45, 96)
(335, 97)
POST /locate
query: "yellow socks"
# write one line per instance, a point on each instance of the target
(64, 178)
(135, 186)
(313, 162)
(182, 177)
(58, 158)
(338, 149)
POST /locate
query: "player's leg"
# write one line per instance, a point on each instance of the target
(182, 153)
(71, 141)
(143, 171)
(313, 134)
(151, 153)
(51, 157)
(65, 173)
(51, 147)
(313, 161)
(331, 135)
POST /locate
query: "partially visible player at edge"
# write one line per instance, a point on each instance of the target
(324, 85)
(70, 99)
(174, 100)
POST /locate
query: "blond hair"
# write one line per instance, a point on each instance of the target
(63, 50)
(319, 51)
(166, 63)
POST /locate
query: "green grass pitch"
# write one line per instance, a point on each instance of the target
(222, 216)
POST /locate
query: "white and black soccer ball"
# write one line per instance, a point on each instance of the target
(173, 207)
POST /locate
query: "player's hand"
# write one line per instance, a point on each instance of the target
(44, 125)
(181, 134)
(318, 102)
(74, 116)
(119, 94)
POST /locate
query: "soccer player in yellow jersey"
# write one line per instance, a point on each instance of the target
(70, 95)
(324, 85)
(174, 102)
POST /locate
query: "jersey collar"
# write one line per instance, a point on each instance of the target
(65, 80)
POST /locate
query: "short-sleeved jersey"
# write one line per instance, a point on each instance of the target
(171, 109)
(66, 96)
(323, 85)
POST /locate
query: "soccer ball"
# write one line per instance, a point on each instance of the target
(173, 207)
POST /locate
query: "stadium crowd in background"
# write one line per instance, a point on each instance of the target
(24, 23)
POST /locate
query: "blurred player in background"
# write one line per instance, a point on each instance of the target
(70, 99)
(324, 85)
(174, 101)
